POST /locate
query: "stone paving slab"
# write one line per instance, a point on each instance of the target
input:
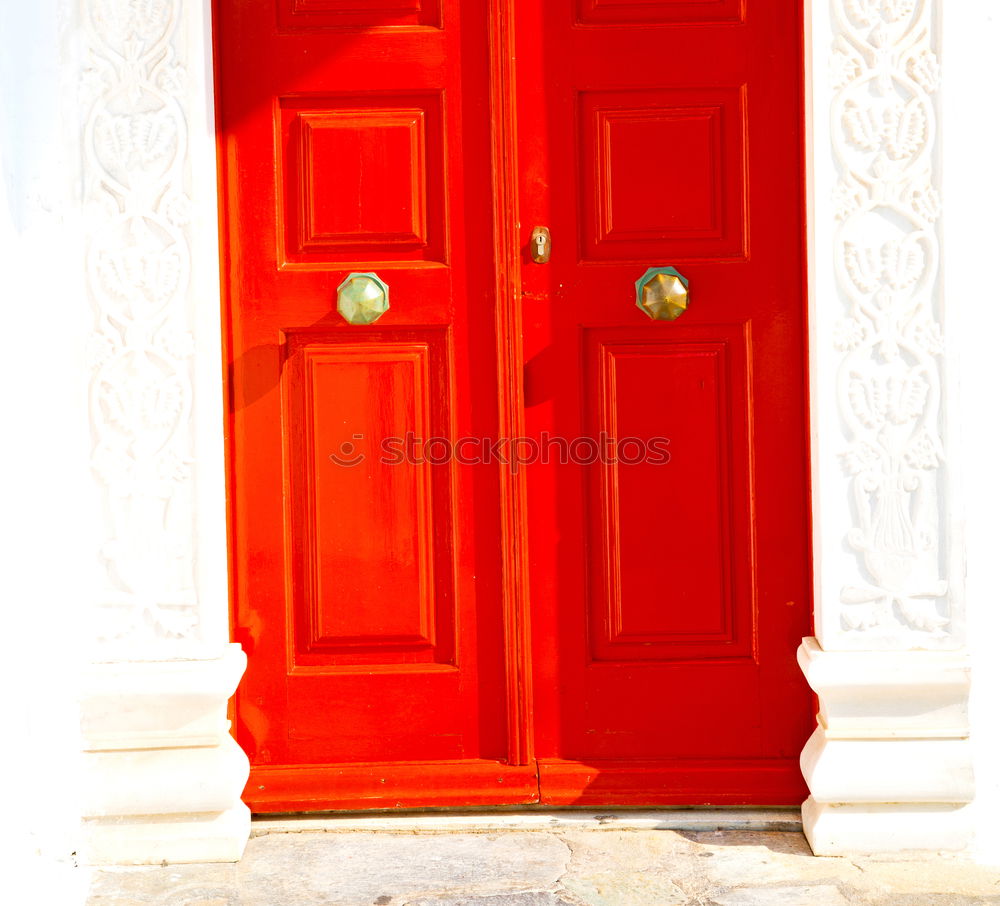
(562, 867)
(534, 898)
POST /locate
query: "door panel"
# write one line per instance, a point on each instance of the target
(667, 598)
(364, 178)
(373, 581)
(657, 12)
(342, 14)
(632, 557)
(354, 139)
(633, 146)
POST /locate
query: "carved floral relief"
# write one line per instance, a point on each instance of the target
(885, 75)
(138, 263)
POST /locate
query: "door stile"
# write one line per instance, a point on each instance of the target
(510, 367)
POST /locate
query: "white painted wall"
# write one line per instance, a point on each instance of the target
(48, 502)
(971, 151)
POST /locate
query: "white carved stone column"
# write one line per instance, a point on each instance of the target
(162, 776)
(889, 765)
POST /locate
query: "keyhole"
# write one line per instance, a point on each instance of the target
(543, 244)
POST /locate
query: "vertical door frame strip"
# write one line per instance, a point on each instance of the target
(510, 368)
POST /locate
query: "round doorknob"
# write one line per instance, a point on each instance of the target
(662, 293)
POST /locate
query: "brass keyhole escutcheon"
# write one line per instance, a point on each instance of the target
(541, 245)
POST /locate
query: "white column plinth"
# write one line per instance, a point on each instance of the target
(889, 766)
(161, 776)
(849, 830)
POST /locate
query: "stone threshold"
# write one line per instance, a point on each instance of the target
(687, 819)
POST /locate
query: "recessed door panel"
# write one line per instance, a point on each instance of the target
(668, 575)
(372, 539)
(658, 12)
(363, 178)
(309, 15)
(663, 174)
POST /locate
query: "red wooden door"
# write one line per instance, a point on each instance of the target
(453, 633)
(667, 597)
(367, 596)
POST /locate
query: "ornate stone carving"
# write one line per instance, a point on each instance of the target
(138, 264)
(884, 73)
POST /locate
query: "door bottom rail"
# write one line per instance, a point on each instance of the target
(473, 784)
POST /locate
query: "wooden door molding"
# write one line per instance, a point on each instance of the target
(510, 357)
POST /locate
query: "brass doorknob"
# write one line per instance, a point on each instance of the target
(362, 298)
(662, 293)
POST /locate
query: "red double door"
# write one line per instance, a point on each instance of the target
(429, 620)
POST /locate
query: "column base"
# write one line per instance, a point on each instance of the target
(161, 776)
(167, 839)
(837, 829)
(889, 766)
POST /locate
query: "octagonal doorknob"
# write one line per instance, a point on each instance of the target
(662, 293)
(362, 298)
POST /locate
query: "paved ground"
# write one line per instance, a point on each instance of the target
(587, 863)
